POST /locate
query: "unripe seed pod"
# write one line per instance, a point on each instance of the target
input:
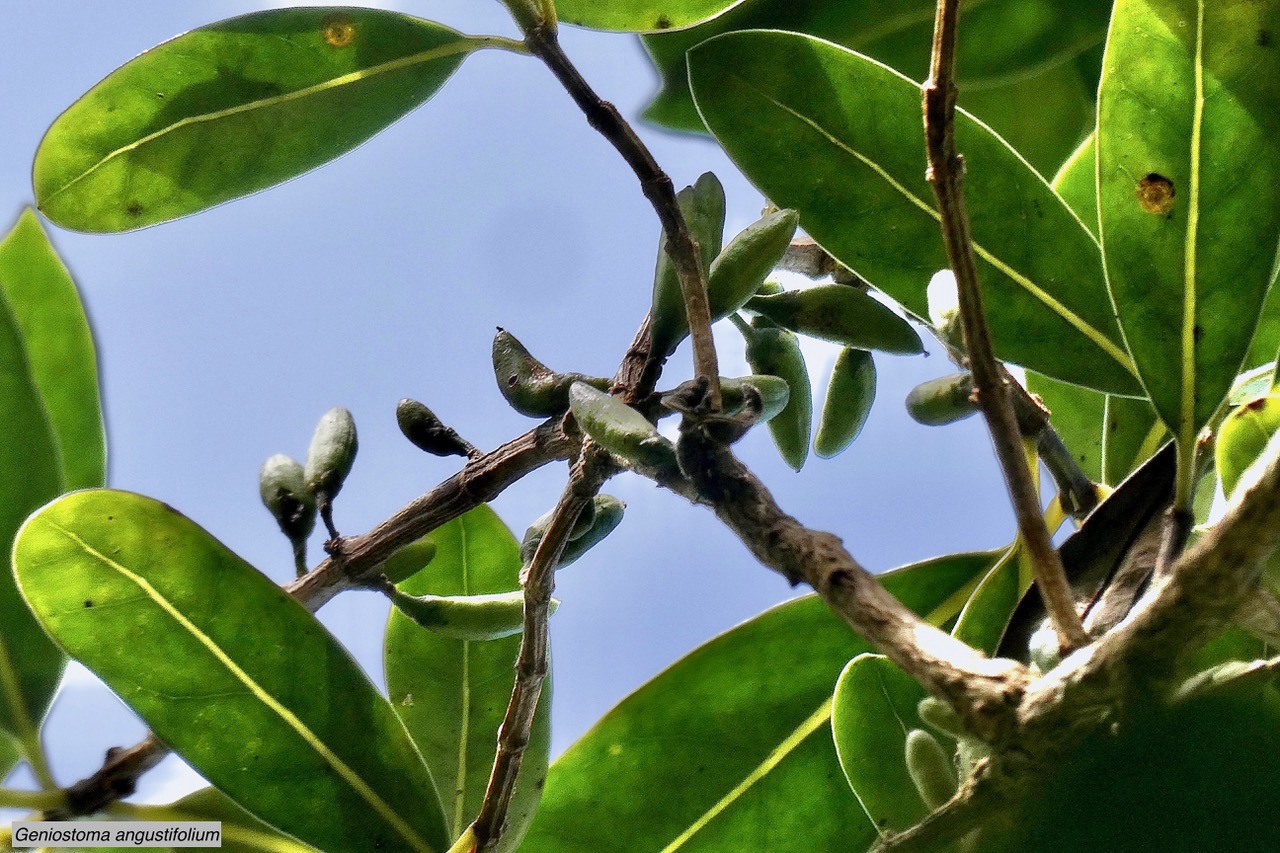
(939, 714)
(421, 426)
(528, 385)
(1243, 436)
(930, 768)
(776, 352)
(606, 514)
(773, 392)
(841, 314)
(282, 484)
(739, 270)
(941, 401)
(850, 394)
(703, 207)
(332, 453)
(620, 429)
(586, 518)
(466, 617)
(409, 560)
(769, 288)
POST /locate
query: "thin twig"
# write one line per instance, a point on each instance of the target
(657, 187)
(946, 174)
(532, 663)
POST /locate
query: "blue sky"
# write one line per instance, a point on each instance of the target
(223, 337)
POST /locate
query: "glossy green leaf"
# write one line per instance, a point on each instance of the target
(845, 315)
(776, 352)
(452, 694)
(31, 473)
(1109, 436)
(729, 748)
(1189, 191)
(987, 612)
(873, 709)
(850, 394)
(639, 16)
(10, 754)
(227, 669)
(839, 135)
(59, 345)
(235, 107)
(241, 831)
(999, 40)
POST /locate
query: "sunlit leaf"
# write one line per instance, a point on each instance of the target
(1189, 190)
(873, 709)
(1000, 40)
(729, 749)
(987, 612)
(31, 473)
(234, 107)
(241, 831)
(227, 669)
(639, 16)
(59, 348)
(432, 678)
(839, 135)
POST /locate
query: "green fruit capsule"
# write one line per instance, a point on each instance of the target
(409, 560)
(620, 429)
(939, 714)
(773, 392)
(850, 393)
(930, 768)
(331, 455)
(776, 352)
(941, 401)
(703, 207)
(282, 485)
(606, 514)
(466, 617)
(426, 432)
(1243, 436)
(841, 314)
(528, 385)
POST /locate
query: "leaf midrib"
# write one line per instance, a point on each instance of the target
(1187, 429)
(344, 771)
(790, 744)
(464, 44)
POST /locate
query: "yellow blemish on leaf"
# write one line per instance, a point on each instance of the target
(615, 750)
(1155, 193)
(338, 31)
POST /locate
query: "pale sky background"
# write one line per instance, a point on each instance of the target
(223, 337)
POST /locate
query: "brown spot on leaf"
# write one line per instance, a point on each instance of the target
(338, 30)
(88, 603)
(1197, 332)
(1155, 193)
(663, 23)
(133, 209)
(1264, 38)
(1254, 405)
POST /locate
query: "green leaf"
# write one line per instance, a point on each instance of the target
(59, 346)
(985, 615)
(1000, 40)
(241, 831)
(639, 16)
(227, 669)
(452, 694)
(729, 749)
(235, 107)
(841, 314)
(1189, 192)
(10, 754)
(873, 709)
(839, 135)
(1077, 183)
(1109, 436)
(31, 473)
(850, 394)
